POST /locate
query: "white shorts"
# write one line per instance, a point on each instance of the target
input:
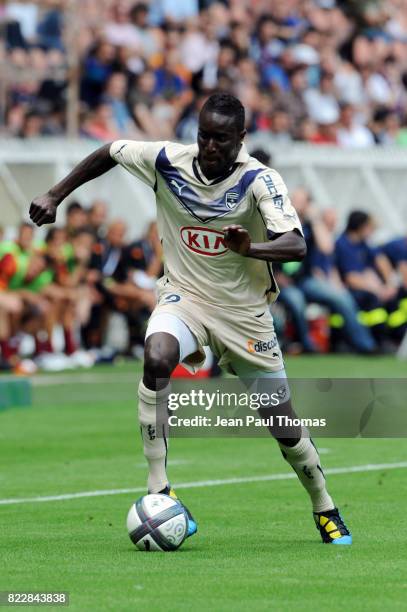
(239, 339)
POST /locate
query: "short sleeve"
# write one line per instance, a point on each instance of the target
(137, 157)
(271, 197)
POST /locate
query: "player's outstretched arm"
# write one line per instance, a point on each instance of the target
(289, 246)
(43, 208)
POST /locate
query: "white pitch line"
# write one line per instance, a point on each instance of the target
(370, 467)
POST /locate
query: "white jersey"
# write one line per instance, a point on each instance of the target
(192, 210)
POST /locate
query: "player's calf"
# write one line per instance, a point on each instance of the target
(161, 357)
(155, 442)
(304, 459)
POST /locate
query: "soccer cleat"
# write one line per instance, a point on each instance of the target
(192, 525)
(332, 528)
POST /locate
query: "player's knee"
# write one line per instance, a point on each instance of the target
(158, 364)
(161, 356)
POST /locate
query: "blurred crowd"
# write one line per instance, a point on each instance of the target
(346, 295)
(71, 282)
(321, 71)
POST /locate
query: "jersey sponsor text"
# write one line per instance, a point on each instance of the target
(203, 240)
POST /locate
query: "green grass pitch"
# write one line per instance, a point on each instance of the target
(257, 547)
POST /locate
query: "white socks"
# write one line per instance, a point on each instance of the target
(155, 446)
(304, 459)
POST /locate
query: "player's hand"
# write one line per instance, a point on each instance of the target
(237, 239)
(43, 209)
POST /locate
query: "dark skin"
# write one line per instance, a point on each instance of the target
(219, 143)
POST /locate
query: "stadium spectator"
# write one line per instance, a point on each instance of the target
(139, 18)
(350, 132)
(368, 275)
(98, 66)
(320, 280)
(187, 128)
(76, 218)
(396, 251)
(120, 31)
(280, 131)
(294, 302)
(326, 130)
(389, 133)
(154, 115)
(114, 97)
(97, 217)
(293, 100)
(22, 245)
(14, 256)
(171, 77)
(145, 255)
(22, 308)
(321, 101)
(66, 287)
(50, 28)
(100, 124)
(112, 285)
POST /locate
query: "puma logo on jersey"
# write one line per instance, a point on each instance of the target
(177, 186)
(204, 241)
(121, 149)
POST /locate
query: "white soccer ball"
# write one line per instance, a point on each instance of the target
(157, 522)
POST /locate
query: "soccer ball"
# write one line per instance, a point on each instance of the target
(157, 522)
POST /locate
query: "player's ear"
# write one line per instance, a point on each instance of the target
(242, 135)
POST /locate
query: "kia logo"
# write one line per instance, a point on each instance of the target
(203, 241)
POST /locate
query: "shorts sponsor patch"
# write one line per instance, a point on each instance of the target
(262, 346)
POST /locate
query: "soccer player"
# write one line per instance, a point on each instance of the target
(223, 218)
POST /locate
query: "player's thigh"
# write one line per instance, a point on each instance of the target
(186, 325)
(166, 324)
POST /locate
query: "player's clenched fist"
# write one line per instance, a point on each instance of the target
(43, 209)
(237, 239)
